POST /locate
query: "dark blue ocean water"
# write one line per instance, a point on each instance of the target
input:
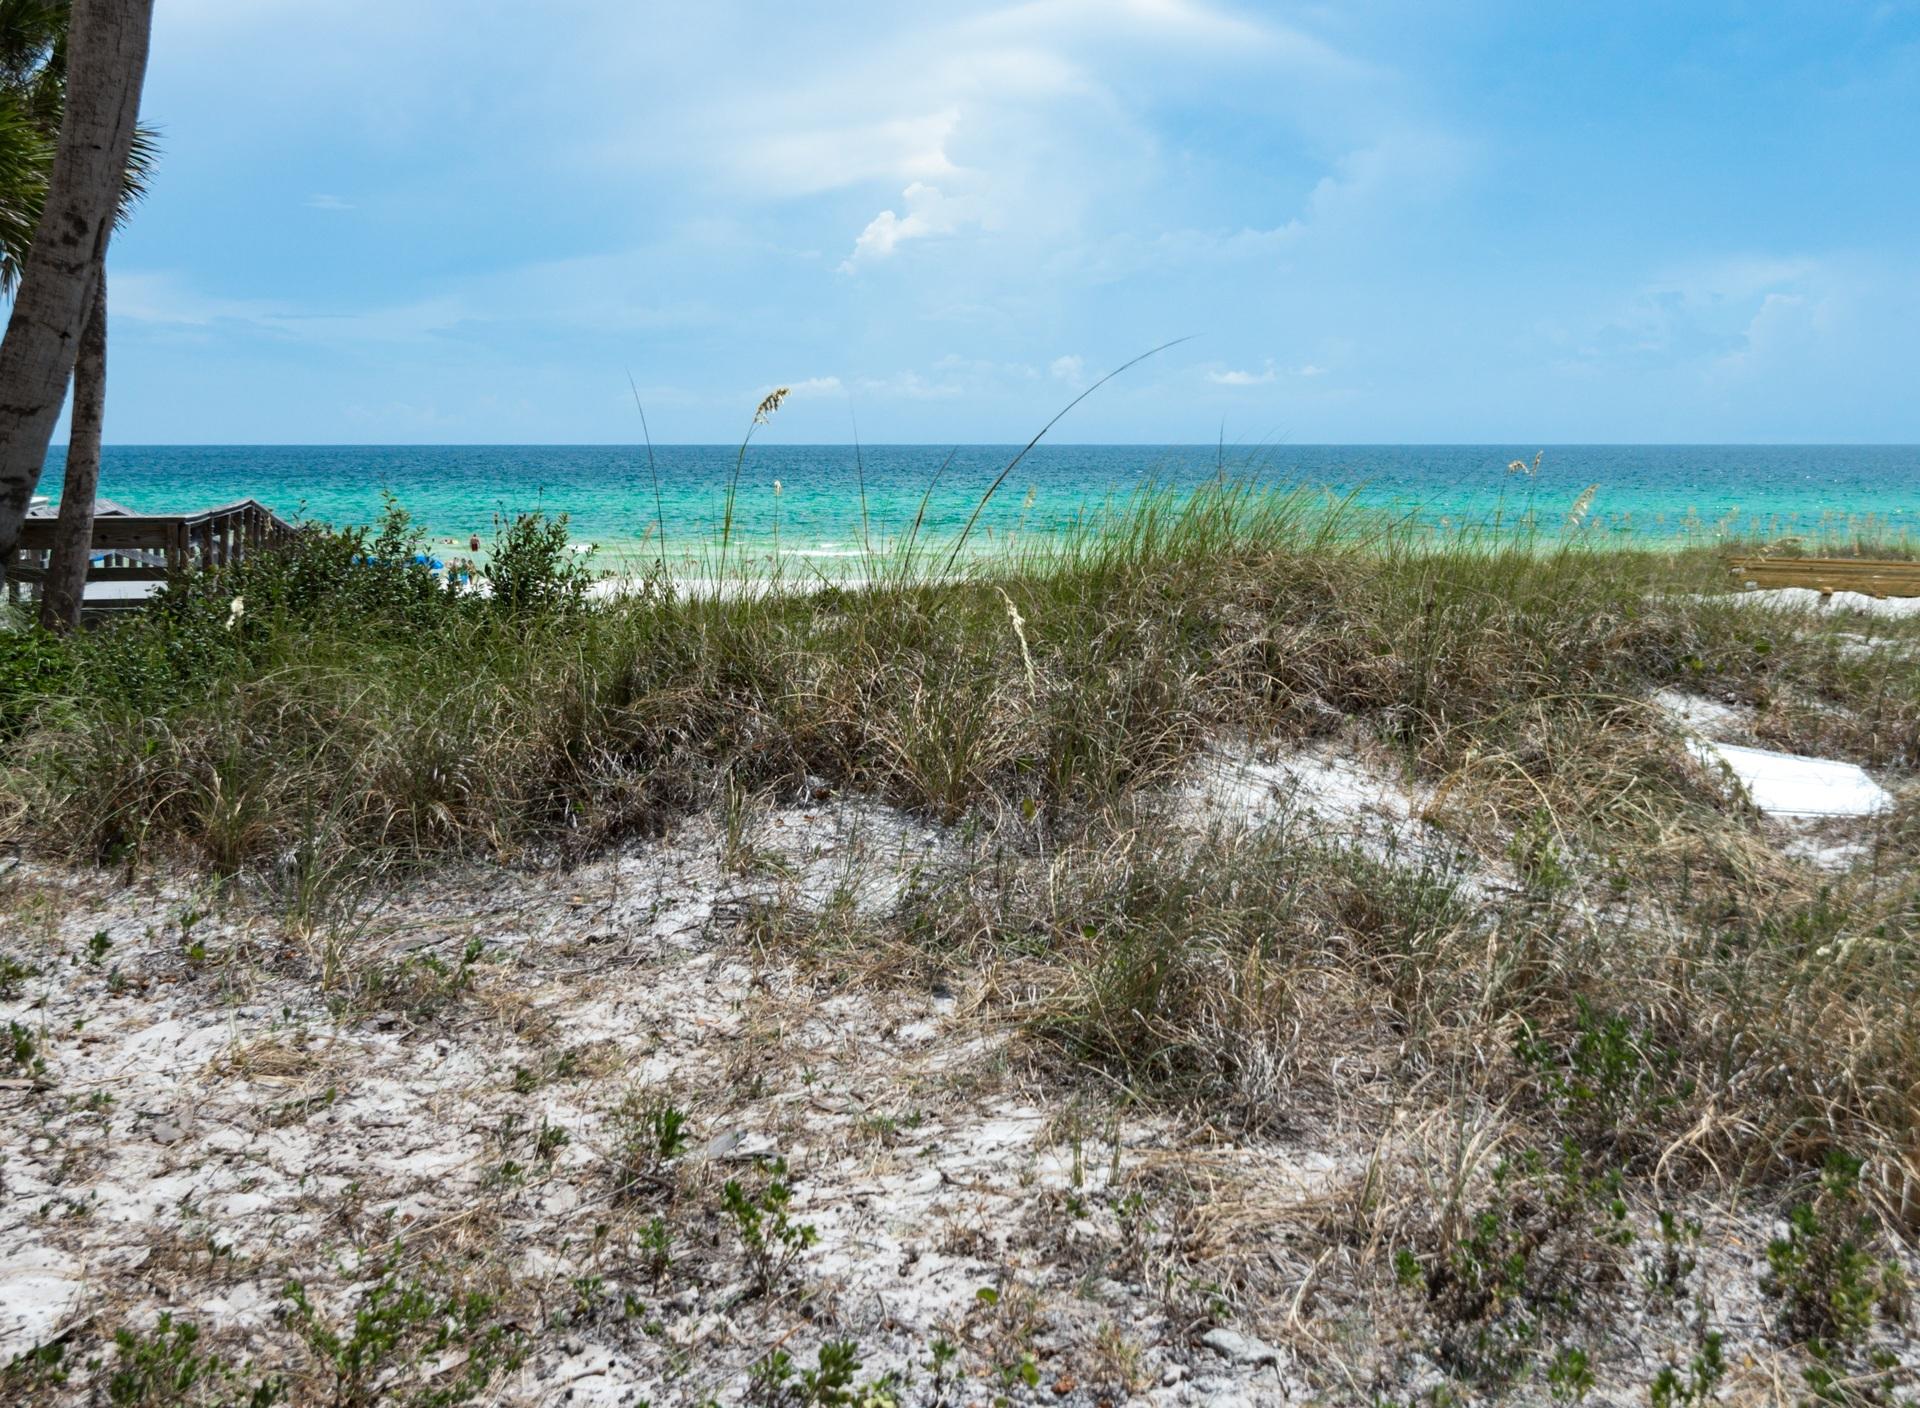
(1641, 491)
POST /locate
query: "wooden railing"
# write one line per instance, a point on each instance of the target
(149, 547)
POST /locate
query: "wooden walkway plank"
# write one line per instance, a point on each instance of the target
(1870, 576)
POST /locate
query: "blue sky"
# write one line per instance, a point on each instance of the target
(464, 220)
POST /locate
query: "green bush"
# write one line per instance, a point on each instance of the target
(1823, 1273)
(34, 664)
(399, 1324)
(533, 570)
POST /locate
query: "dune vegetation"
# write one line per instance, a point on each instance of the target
(1548, 1068)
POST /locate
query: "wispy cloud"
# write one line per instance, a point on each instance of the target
(326, 202)
(816, 386)
(1263, 377)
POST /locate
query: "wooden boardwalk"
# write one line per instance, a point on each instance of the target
(1871, 576)
(133, 553)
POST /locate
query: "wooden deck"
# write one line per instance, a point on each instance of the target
(1871, 576)
(135, 552)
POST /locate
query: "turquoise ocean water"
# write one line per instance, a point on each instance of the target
(1644, 492)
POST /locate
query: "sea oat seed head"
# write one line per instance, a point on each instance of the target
(764, 412)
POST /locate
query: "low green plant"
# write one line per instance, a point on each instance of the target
(770, 1240)
(34, 1369)
(1608, 1079)
(20, 1054)
(549, 1140)
(1672, 1259)
(776, 1382)
(1693, 1387)
(1538, 853)
(399, 1322)
(13, 973)
(654, 1243)
(164, 1368)
(1569, 1375)
(421, 986)
(1549, 1226)
(1823, 1275)
(649, 1132)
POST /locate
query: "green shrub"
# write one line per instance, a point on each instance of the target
(532, 569)
(1548, 1227)
(163, 1368)
(34, 664)
(1823, 1273)
(769, 1237)
(1608, 1079)
(400, 1322)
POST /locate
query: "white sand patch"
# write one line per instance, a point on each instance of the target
(1318, 787)
(1790, 785)
(852, 849)
(1827, 853)
(1807, 599)
(1710, 718)
(1327, 794)
(40, 1289)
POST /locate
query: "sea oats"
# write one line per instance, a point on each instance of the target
(764, 411)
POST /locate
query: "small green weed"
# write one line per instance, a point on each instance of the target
(421, 987)
(1609, 1080)
(399, 1322)
(1672, 1261)
(1570, 1375)
(1826, 1281)
(649, 1132)
(13, 973)
(769, 1237)
(163, 1367)
(1672, 1388)
(20, 1054)
(1547, 1228)
(654, 1243)
(833, 1383)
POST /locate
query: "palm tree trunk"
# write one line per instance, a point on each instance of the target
(66, 585)
(106, 64)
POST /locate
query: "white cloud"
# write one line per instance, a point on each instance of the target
(1786, 325)
(1071, 369)
(817, 386)
(326, 202)
(1729, 315)
(928, 213)
(1264, 377)
(909, 386)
